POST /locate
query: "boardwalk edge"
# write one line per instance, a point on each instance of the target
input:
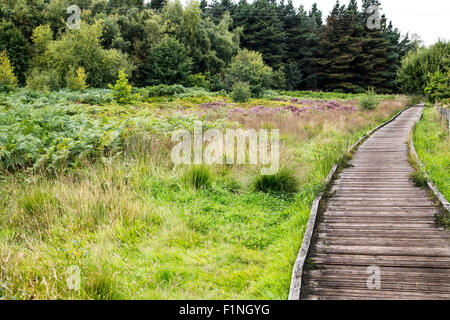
(297, 272)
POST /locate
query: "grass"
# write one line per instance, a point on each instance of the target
(432, 144)
(137, 230)
(282, 182)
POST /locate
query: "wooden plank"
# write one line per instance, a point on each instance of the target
(386, 251)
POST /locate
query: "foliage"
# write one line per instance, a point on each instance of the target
(121, 91)
(8, 80)
(438, 87)
(241, 92)
(165, 90)
(417, 65)
(18, 48)
(197, 80)
(248, 66)
(77, 48)
(76, 80)
(43, 80)
(283, 182)
(368, 102)
(53, 137)
(169, 63)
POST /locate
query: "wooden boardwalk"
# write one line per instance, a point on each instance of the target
(376, 216)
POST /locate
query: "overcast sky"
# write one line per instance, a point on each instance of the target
(430, 19)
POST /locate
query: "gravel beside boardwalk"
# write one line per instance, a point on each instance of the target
(376, 217)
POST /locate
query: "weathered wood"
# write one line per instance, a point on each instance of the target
(375, 216)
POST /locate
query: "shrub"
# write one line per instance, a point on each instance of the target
(121, 91)
(198, 176)
(76, 81)
(241, 92)
(438, 87)
(283, 181)
(368, 102)
(248, 66)
(8, 80)
(165, 90)
(279, 79)
(197, 81)
(43, 80)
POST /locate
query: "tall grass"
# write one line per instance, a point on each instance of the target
(432, 144)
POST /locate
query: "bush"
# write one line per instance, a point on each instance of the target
(165, 90)
(368, 102)
(283, 182)
(76, 81)
(279, 79)
(248, 66)
(198, 176)
(121, 91)
(438, 88)
(197, 81)
(43, 80)
(241, 92)
(8, 80)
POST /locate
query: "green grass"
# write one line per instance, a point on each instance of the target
(432, 144)
(137, 230)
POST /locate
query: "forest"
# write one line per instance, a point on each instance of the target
(196, 45)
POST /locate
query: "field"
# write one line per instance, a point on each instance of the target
(89, 183)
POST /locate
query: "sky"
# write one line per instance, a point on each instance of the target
(429, 19)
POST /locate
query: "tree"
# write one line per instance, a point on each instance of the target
(416, 66)
(8, 80)
(169, 63)
(341, 48)
(12, 40)
(78, 48)
(263, 29)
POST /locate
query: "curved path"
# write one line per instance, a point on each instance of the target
(376, 219)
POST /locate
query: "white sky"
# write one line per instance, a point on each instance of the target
(430, 19)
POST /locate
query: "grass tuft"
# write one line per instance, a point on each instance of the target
(198, 177)
(284, 181)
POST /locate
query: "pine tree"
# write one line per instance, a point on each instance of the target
(310, 28)
(263, 30)
(341, 46)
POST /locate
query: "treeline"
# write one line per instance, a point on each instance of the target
(165, 43)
